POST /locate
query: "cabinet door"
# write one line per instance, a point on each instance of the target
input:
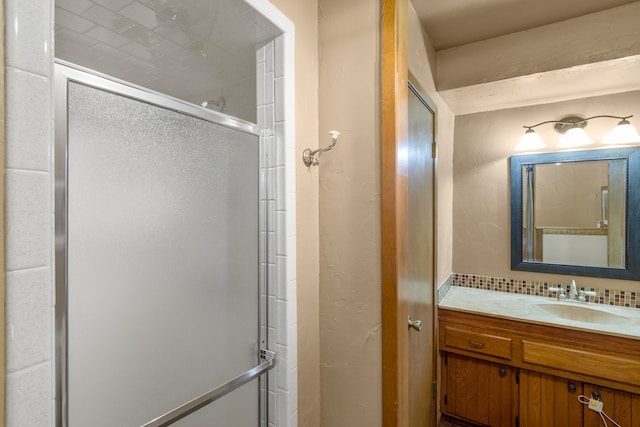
(477, 390)
(622, 407)
(548, 401)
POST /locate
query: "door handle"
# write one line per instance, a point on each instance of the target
(415, 324)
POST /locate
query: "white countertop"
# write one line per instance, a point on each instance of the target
(607, 319)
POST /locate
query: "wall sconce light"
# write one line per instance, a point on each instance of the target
(574, 135)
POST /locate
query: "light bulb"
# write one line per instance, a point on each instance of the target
(575, 137)
(623, 133)
(530, 141)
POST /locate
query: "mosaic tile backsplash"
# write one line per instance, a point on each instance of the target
(527, 287)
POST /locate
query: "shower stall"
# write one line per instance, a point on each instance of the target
(173, 194)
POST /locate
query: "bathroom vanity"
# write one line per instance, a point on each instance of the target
(503, 363)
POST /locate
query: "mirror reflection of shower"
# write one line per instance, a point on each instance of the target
(215, 105)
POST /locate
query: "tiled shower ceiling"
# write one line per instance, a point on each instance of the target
(190, 49)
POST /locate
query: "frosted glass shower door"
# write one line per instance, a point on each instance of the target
(162, 252)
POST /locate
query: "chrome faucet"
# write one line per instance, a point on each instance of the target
(579, 295)
(573, 293)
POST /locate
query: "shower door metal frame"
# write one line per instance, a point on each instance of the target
(65, 72)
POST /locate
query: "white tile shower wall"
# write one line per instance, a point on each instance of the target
(29, 292)
(29, 397)
(281, 298)
(284, 52)
(29, 187)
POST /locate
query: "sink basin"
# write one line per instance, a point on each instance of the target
(581, 313)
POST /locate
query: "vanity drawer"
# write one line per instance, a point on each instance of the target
(483, 342)
(617, 367)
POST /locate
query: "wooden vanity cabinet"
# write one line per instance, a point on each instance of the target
(550, 401)
(499, 372)
(477, 390)
(497, 395)
(547, 400)
(625, 409)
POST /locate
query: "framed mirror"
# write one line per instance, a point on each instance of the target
(577, 213)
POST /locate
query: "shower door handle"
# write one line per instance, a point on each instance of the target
(269, 359)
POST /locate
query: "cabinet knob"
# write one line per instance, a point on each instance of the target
(502, 372)
(571, 387)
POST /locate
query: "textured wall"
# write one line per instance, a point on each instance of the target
(611, 34)
(304, 14)
(350, 339)
(483, 144)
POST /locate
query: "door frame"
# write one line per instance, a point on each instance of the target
(395, 80)
(394, 134)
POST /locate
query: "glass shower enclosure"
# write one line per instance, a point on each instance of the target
(160, 294)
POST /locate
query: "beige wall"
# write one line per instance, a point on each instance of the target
(483, 144)
(304, 14)
(338, 255)
(569, 195)
(350, 339)
(421, 63)
(596, 37)
(350, 204)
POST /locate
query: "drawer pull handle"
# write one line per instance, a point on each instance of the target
(475, 344)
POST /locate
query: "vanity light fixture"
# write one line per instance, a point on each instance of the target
(530, 141)
(623, 133)
(574, 135)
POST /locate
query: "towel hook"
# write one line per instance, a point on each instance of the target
(312, 158)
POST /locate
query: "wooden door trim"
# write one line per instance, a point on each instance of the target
(394, 124)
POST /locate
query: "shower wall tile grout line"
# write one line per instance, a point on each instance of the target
(31, 367)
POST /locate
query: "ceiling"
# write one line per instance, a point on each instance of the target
(194, 50)
(200, 50)
(450, 23)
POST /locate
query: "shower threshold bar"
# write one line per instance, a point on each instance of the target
(203, 400)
